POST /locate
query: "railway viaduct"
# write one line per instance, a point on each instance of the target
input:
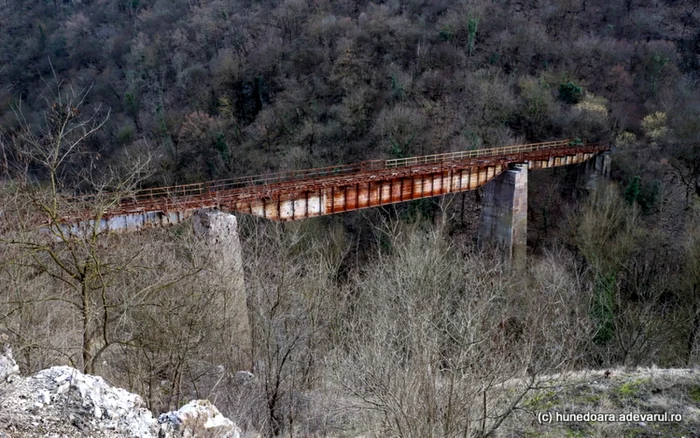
(502, 171)
(297, 195)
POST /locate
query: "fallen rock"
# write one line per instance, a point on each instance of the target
(243, 377)
(197, 419)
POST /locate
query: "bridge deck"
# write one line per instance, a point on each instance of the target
(315, 192)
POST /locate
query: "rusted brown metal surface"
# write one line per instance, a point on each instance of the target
(316, 192)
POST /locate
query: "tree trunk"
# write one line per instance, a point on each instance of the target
(88, 337)
(694, 331)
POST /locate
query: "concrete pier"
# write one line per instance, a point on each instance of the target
(224, 274)
(595, 170)
(504, 215)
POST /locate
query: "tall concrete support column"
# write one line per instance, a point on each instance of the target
(223, 276)
(504, 215)
(596, 170)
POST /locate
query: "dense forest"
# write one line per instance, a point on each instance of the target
(219, 88)
(375, 323)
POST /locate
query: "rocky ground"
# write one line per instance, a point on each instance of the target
(63, 402)
(551, 410)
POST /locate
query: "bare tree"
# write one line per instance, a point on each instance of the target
(291, 301)
(69, 250)
(630, 279)
(437, 343)
(691, 289)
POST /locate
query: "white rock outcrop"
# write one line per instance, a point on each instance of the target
(63, 402)
(197, 419)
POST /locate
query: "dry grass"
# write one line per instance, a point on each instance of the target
(616, 391)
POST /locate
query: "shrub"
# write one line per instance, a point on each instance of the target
(646, 195)
(570, 93)
(632, 190)
(655, 126)
(589, 118)
(625, 139)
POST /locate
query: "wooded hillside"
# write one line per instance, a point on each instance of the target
(221, 88)
(385, 322)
